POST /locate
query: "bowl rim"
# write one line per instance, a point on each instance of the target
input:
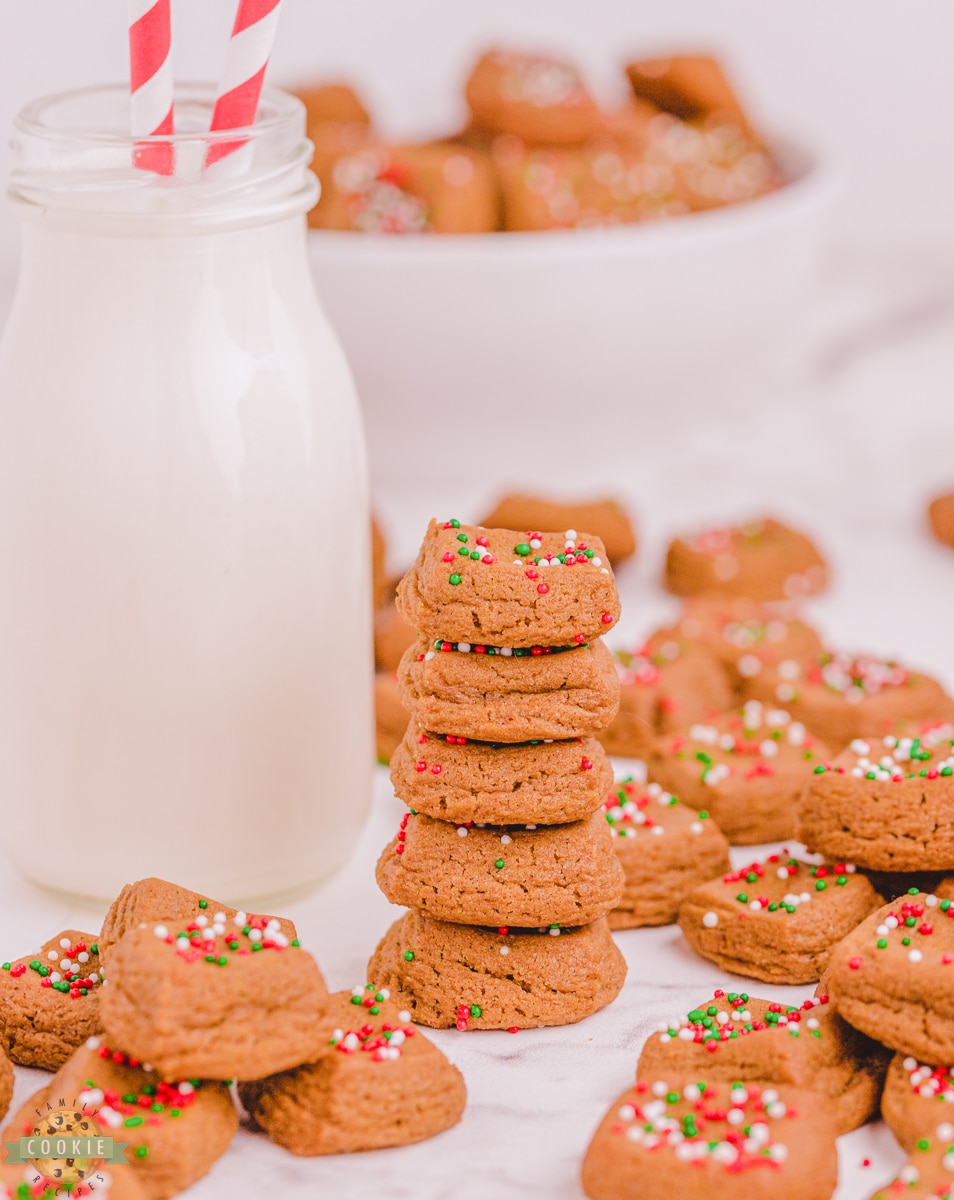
(810, 185)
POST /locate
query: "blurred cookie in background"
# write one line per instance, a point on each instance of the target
(607, 519)
(941, 517)
(533, 96)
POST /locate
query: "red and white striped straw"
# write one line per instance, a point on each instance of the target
(150, 82)
(246, 60)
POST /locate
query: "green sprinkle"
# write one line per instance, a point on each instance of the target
(500, 864)
(905, 941)
(522, 549)
(475, 554)
(408, 957)
(210, 958)
(703, 816)
(141, 1151)
(820, 770)
(454, 580)
(476, 1010)
(223, 961)
(924, 1144)
(454, 524)
(94, 949)
(462, 537)
(133, 1122)
(672, 1098)
(912, 892)
(841, 880)
(773, 907)
(820, 885)
(256, 946)
(203, 904)
(882, 943)
(157, 1107)
(44, 971)
(743, 897)
(374, 1010)
(357, 999)
(6, 966)
(463, 550)
(944, 905)
(174, 1112)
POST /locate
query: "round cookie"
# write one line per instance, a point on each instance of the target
(929, 1172)
(916, 1099)
(887, 803)
(840, 698)
(763, 559)
(665, 850)
(502, 874)
(378, 1082)
(893, 976)
(735, 1036)
(667, 1138)
(534, 97)
(778, 920)
(563, 692)
(608, 520)
(746, 636)
(666, 684)
(455, 779)
(747, 768)
(458, 975)
(941, 517)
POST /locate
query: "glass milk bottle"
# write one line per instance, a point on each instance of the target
(185, 658)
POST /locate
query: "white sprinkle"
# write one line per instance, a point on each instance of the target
(696, 827)
(462, 830)
(626, 1112)
(778, 1152)
(66, 965)
(404, 1016)
(930, 901)
(52, 955)
(202, 920)
(505, 839)
(915, 956)
(464, 647)
(710, 920)
(945, 1131)
(571, 533)
(185, 1087)
(92, 1043)
(659, 1088)
(240, 919)
(504, 950)
(55, 977)
(82, 957)
(255, 935)
(64, 943)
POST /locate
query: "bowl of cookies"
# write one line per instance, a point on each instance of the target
(552, 248)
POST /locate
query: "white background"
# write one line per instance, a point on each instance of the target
(868, 80)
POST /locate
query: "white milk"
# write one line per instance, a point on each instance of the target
(185, 656)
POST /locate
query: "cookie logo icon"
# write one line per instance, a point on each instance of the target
(66, 1150)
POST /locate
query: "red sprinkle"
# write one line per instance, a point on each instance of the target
(542, 589)
(854, 963)
(607, 618)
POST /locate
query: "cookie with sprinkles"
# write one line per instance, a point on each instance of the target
(151, 901)
(840, 697)
(696, 1140)
(779, 920)
(197, 998)
(449, 975)
(917, 1098)
(50, 1001)
(929, 1172)
(746, 636)
(893, 976)
(390, 719)
(378, 1082)
(533, 96)
(747, 768)
(509, 588)
(105, 1183)
(941, 518)
(665, 849)
(887, 802)
(174, 1131)
(562, 692)
(665, 684)
(607, 519)
(502, 874)
(762, 559)
(735, 1036)
(455, 779)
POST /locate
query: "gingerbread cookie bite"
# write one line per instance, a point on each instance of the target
(336, 102)
(607, 519)
(764, 560)
(509, 589)
(502, 874)
(665, 849)
(886, 802)
(455, 779)
(378, 1082)
(746, 636)
(747, 768)
(174, 1131)
(533, 96)
(737, 1037)
(669, 1137)
(941, 517)
(389, 716)
(779, 920)
(917, 1097)
(372, 188)
(505, 694)
(688, 86)
(392, 636)
(891, 976)
(666, 684)
(841, 697)
(49, 1002)
(457, 975)
(212, 983)
(929, 1172)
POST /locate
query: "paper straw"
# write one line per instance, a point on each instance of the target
(245, 62)
(150, 82)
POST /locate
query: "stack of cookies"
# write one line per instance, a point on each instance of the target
(503, 858)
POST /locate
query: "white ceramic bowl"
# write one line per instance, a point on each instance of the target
(508, 352)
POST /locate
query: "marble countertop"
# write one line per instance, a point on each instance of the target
(865, 436)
